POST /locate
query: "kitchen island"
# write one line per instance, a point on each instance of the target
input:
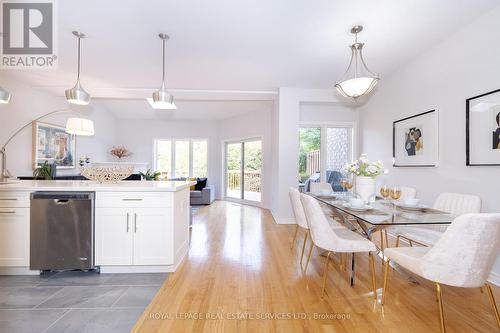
(140, 226)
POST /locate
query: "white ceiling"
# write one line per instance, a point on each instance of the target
(246, 45)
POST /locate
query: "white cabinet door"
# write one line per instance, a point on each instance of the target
(14, 236)
(152, 229)
(113, 236)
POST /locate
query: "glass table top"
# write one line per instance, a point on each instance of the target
(386, 213)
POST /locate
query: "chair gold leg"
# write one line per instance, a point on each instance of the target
(384, 286)
(397, 240)
(294, 236)
(386, 238)
(372, 269)
(440, 304)
(304, 246)
(325, 274)
(493, 303)
(341, 267)
(309, 256)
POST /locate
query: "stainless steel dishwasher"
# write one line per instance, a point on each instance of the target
(62, 230)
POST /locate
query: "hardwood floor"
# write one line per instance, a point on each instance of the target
(241, 272)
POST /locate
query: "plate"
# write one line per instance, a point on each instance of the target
(404, 206)
(358, 209)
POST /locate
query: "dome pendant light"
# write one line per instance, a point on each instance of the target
(4, 96)
(162, 99)
(78, 95)
(358, 80)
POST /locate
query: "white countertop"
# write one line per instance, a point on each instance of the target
(87, 185)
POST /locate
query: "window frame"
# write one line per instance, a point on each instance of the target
(172, 153)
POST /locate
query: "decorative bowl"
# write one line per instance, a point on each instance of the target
(107, 174)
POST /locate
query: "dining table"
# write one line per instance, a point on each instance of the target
(378, 216)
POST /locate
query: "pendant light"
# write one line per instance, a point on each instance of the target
(78, 95)
(4, 96)
(358, 80)
(162, 99)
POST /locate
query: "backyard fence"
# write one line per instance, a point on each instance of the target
(313, 162)
(252, 183)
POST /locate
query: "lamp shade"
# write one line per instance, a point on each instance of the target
(357, 80)
(77, 95)
(162, 105)
(356, 87)
(80, 126)
(4, 96)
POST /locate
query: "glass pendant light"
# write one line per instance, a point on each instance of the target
(4, 96)
(162, 99)
(358, 80)
(78, 95)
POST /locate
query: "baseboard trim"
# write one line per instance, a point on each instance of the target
(494, 278)
(137, 269)
(18, 271)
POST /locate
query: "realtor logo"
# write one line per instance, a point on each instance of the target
(28, 34)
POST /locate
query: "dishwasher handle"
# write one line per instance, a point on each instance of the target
(61, 201)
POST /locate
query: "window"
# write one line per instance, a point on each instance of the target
(181, 158)
(200, 158)
(324, 150)
(309, 152)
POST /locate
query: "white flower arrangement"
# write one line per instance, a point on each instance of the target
(363, 167)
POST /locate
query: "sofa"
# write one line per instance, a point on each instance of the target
(204, 197)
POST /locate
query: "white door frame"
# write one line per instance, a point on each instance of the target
(224, 164)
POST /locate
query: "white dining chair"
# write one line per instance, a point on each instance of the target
(319, 187)
(300, 218)
(408, 193)
(462, 257)
(334, 240)
(426, 235)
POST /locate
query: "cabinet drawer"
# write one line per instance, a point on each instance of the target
(15, 199)
(134, 199)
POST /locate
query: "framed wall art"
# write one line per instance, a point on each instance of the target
(415, 140)
(51, 143)
(482, 132)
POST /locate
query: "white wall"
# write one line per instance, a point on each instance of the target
(254, 124)
(138, 136)
(27, 104)
(286, 145)
(465, 65)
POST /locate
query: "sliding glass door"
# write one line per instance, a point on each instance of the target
(244, 170)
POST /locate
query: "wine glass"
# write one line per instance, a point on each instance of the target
(384, 192)
(395, 193)
(349, 184)
(343, 185)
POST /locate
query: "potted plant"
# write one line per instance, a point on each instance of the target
(150, 175)
(46, 171)
(366, 172)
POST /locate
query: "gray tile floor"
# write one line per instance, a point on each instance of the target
(75, 302)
